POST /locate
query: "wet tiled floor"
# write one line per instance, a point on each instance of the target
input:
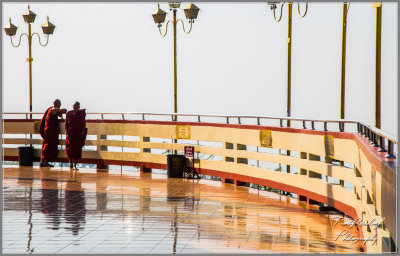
(87, 211)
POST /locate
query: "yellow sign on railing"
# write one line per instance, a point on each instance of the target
(183, 132)
(265, 138)
(329, 148)
(36, 127)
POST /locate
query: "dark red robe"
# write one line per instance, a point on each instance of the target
(75, 206)
(75, 128)
(49, 130)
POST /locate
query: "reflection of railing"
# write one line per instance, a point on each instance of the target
(247, 223)
(337, 168)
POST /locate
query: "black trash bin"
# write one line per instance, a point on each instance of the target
(25, 156)
(175, 166)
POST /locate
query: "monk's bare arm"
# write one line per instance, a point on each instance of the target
(58, 111)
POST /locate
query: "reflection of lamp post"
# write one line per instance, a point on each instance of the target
(11, 30)
(191, 12)
(28, 249)
(273, 7)
(175, 225)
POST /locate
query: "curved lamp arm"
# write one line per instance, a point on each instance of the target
(47, 41)
(298, 10)
(280, 16)
(166, 29)
(183, 25)
(19, 42)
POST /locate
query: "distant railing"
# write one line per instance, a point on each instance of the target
(378, 138)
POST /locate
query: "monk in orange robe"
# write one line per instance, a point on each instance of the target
(50, 200)
(49, 130)
(75, 127)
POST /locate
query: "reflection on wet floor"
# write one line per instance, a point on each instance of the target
(58, 211)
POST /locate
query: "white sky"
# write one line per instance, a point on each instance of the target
(111, 58)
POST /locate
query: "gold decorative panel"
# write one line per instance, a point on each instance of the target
(265, 138)
(183, 132)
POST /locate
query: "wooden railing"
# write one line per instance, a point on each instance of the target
(337, 168)
(378, 138)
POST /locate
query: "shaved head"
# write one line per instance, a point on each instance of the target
(57, 103)
(76, 105)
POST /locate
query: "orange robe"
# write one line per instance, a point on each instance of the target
(49, 130)
(50, 202)
(75, 128)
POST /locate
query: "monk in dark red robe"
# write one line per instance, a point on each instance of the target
(75, 205)
(49, 130)
(75, 127)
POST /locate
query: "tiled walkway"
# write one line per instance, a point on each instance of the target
(88, 211)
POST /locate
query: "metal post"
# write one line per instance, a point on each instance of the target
(378, 66)
(369, 134)
(343, 72)
(390, 150)
(175, 75)
(30, 67)
(312, 125)
(341, 126)
(175, 68)
(289, 67)
(382, 144)
(374, 141)
(289, 70)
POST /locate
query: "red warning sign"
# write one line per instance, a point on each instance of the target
(189, 151)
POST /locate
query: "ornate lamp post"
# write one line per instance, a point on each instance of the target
(191, 12)
(273, 7)
(11, 30)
